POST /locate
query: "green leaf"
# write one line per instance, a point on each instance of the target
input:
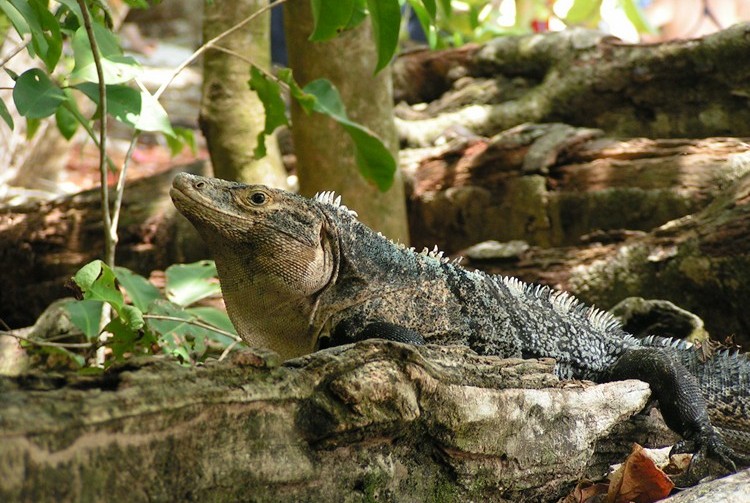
(431, 7)
(86, 315)
(124, 338)
(376, 163)
(97, 282)
(216, 318)
(447, 6)
(137, 109)
(115, 67)
(131, 316)
(35, 95)
(269, 93)
(359, 13)
(32, 126)
(178, 338)
(189, 283)
(152, 116)
(165, 328)
(182, 137)
(5, 114)
(305, 100)
(140, 290)
(50, 34)
(73, 7)
(386, 21)
(137, 4)
(635, 16)
(46, 40)
(212, 316)
(123, 102)
(425, 21)
(582, 11)
(330, 18)
(16, 19)
(66, 117)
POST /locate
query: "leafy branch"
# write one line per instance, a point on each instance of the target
(149, 321)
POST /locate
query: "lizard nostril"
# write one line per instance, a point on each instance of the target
(200, 185)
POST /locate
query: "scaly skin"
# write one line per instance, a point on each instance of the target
(299, 274)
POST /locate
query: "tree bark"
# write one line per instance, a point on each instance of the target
(376, 420)
(688, 88)
(43, 244)
(231, 114)
(700, 262)
(552, 185)
(325, 155)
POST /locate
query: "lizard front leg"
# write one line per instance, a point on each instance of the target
(356, 329)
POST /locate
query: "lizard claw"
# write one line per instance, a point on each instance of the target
(709, 446)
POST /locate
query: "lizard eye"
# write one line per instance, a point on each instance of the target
(258, 198)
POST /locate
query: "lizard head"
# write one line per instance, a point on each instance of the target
(273, 253)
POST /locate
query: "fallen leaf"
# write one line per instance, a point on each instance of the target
(638, 480)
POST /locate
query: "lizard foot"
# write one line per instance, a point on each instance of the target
(709, 450)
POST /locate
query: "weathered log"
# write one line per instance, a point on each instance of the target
(686, 88)
(551, 184)
(700, 262)
(374, 420)
(43, 244)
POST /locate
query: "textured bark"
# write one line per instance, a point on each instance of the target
(552, 184)
(43, 244)
(690, 88)
(325, 155)
(700, 262)
(374, 421)
(231, 114)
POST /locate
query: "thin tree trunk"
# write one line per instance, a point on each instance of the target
(231, 114)
(325, 155)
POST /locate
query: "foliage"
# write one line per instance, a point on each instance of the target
(40, 93)
(331, 17)
(147, 322)
(375, 161)
(458, 22)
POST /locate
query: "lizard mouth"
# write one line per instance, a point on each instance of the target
(189, 200)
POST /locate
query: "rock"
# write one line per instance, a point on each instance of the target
(732, 489)
(495, 250)
(642, 317)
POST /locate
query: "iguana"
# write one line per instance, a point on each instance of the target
(302, 274)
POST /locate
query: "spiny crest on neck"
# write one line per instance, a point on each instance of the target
(330, 198)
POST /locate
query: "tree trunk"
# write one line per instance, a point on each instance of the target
(373, 421)
(231, 114)
(325, 154)
(688, 88)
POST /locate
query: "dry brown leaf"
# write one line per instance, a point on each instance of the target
(638, 480)
(585, 491)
